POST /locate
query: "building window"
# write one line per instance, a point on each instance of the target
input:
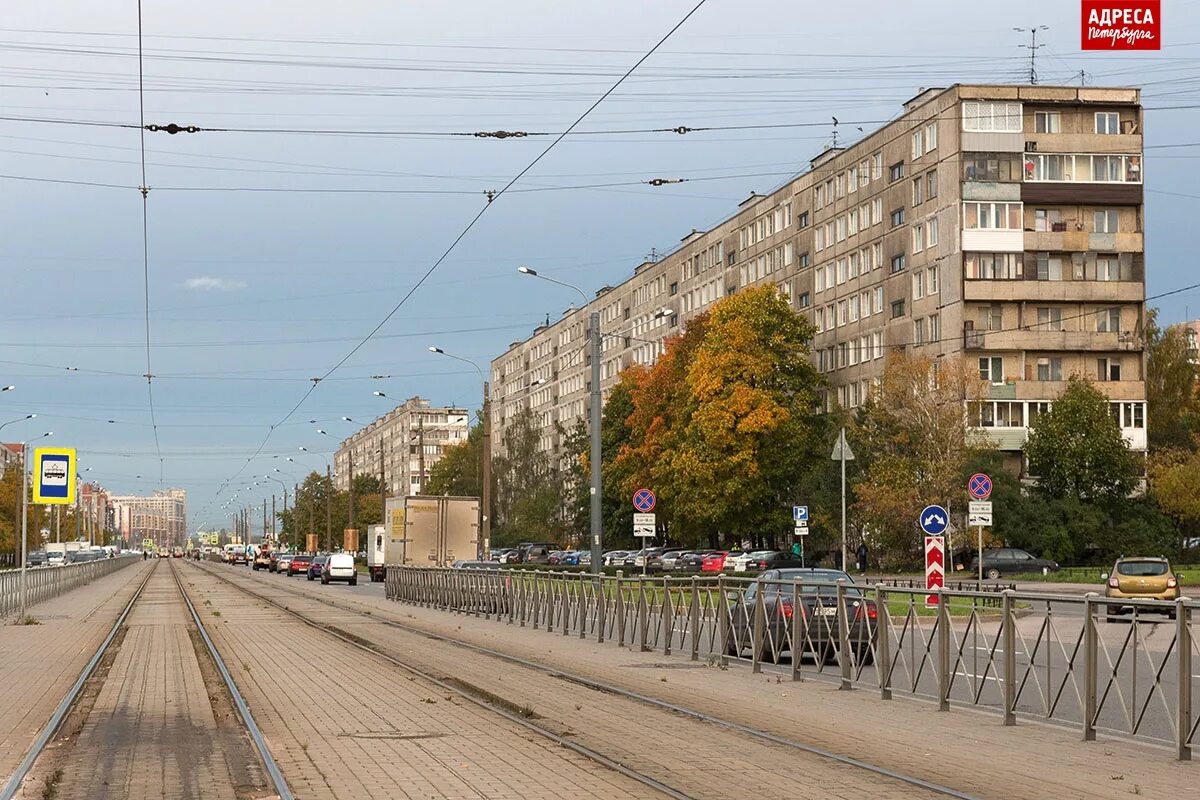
(1108, 268)
(1108, 320)
(674, 289)
(877, 341)
(918, 331)
(1108, 369)
(935, 328)
(918, 285)
(992, 216)
(918, 140)
(1079, 168)
(897, 309)
(896, 171)
(931, 137)
(1108, 122)
(1048, 220)
(877, 166)
(878, 303)
(918, 237)
(991, 318)
(897, 263)
(804, 300)
(991, 369)
(992, 266)
(802, 261)
(897, 217)
(1049, 318)
(1049, 268)
(1047, 122)
(986, 117)
(877, 211)
(1129, 415)
(931, 185)
(991, 167)
(1105, 221)
(918, 190)
(1049, 369)
(932, 280)
(931, 232)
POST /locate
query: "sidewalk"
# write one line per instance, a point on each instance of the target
(39, 663)
(970, 751)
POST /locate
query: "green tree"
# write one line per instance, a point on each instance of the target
(1174, 484)
(917, 445)
(1077, 451)
(529, 497)
(1172, 406)
(459, 472)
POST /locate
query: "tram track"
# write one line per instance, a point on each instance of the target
(487, 700)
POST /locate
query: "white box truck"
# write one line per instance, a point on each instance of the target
(425, 531)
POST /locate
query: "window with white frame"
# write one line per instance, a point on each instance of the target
(935, 328)
(841, 271)
(1108, 320)
(931, 232)
(842, 312)
(1108, 268)
(877, 255)
(931, 137)
(877, 338)
(1047, 122)
(864, 171)
(931, 280)
(1083, 168)
(841, 228)
(852, 222)
(1108, 369)
(876, 210)
(919, 331)
(819, 238)
(991, 369)
(852, 261)
(987, 116)
(931, 184)
(992, 216)
(877, 305)
(1049, 267)
(918, 190)
(853, 308)
(830, 317)
(918, 237)
(917, 142)
(1050, 318)
(877, 166)
(918, 284)
(1049, 369)
(1108, 122)
(865, 302)
(1105, 221)
(852, 179)
(993, 266)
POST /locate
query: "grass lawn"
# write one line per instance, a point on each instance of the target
(1190, 575)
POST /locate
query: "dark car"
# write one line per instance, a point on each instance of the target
(298, 564)
(1010, 561)
(690, 561)
(36, 559)
(314, 567)
(779, 559)
(819, 621)
(535, 553)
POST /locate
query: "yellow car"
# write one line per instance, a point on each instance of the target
(1142, 579)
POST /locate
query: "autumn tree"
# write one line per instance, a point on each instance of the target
(460, 469)
(917, 442)
(529, 498)
(1077, 451)
(1174, 484)
(1173, 409)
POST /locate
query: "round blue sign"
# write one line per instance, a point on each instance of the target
(979, 486)
(644, 500)
(934, 520)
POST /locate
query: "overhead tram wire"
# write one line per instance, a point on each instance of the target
(467, 229)
(145, 190)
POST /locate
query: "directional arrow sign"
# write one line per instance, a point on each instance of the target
(935, 566)
(933, 520)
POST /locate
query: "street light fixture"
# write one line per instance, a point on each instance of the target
(485, 505)
(18, 419)
(379, 394)
(594, 421)
(7, 388)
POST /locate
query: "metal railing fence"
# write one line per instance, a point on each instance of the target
(1021, 655)
(43, 583)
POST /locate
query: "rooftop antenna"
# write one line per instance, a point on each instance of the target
(835, 132)
(1033, 47)
(654, 255)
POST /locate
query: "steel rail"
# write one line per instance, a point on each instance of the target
(595, 685)
(56, 720)
(260, 744)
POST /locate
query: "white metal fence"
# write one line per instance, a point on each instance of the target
(43, 583)
(1031, 655)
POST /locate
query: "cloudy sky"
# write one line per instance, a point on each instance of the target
(278, 241)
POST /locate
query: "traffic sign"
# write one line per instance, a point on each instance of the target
(935, 566)
(54, 475)
(980, 507)
(800, 530)
(979, 512)
(934, 520)
(644, 500)
(841, 448)
(644, 525)
(979, 486)
(800, 514)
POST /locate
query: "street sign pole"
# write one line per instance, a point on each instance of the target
(842, 453)
(979, 530)
(24, 521)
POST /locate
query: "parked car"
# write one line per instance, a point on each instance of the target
(282, 562)
(1010, 561)
(299, 564)
(615, 558)
(714, 561)
(314, 567)
(1141, 579)
(555, 556)
(740, 562)
(339, 567)
(472, 564)
(570, 558)
(534, 553)
(819, 622)
(774, 559)
(690, 561)
(669, 561)
(501, 554)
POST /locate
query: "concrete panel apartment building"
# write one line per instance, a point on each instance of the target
(161, 516)
(410, 439)
(1001, 224)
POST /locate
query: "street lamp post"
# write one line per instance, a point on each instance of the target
(594, 339)
(485, 509)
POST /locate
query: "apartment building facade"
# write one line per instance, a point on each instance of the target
(1001, 224)
(409, 440)
(161, 516)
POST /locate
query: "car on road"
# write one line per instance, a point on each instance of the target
(36, 559)
(1141, 579)
(819, 621)
(281, 562)
(714, 561)
(262, 560)
(299, 564)
(1010, 561)
(339, 567)
(177, 552)
(315, 566)
(238, 556)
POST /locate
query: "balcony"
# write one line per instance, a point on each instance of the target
(1055, 291)
(1071, 239)
(1048, 390)
(1053, 341)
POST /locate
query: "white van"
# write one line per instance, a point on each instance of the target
(339, 567)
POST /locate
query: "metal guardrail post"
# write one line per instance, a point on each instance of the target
(722, 612)
(668, 616)
(797, 643)
(1009, 633)
(565, 621)
(537, 596)
(1090, 665)
(756, 638)
(620, 609)
(601, 605)
(643, 615)
(883, 643)
(584, 605)
(943, 626)
(844, 658)
(694, 623)
(1183, 711)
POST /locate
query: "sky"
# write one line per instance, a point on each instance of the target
(333, 173)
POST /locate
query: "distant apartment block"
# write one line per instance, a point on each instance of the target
(404, 444)
(161, 516)
(1001, 224)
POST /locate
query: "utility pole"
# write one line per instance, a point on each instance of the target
(486, 511)
(350, 459)
(420, 454)
(1033, 47)
(24, 522)
(597, 548)
(274, 517)
(383, 487)
(264, 533)
(328, 511)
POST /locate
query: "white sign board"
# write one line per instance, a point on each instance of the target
(643, 525)
(979, 513)
(980, 507)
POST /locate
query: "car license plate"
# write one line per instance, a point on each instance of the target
(827, 611)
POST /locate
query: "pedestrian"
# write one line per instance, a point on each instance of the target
(861, 556)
